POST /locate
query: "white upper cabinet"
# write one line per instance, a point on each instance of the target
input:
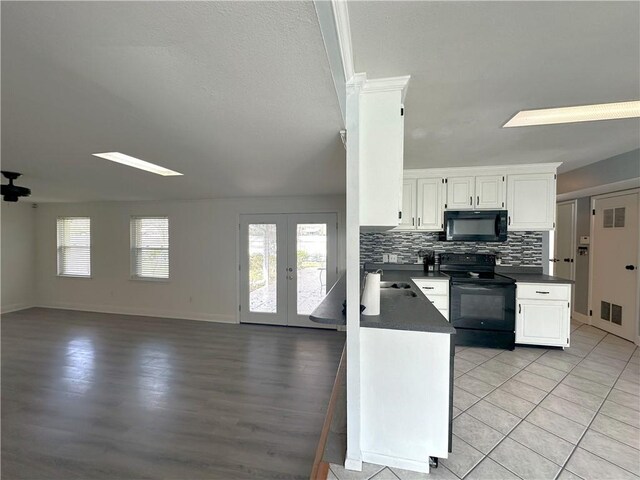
(531, 201)
(408, 218)
(490, 192)
(430, 193)
(460, 193)
(380, 149)
(527, 192)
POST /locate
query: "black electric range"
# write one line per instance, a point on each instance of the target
(481, 302)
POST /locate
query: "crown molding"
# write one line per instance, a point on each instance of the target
(388, 84)
(482, 170)
(343, 29)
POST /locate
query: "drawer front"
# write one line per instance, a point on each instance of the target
(543, 291)
(441, 302)
(430, 287)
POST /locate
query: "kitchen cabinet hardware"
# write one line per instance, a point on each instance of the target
(478, 199)
(471, 200)
(540, 291)
(630, 267)
(519, 308)
(413, 221)
(418, 221)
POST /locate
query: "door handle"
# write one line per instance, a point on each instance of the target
(519, 308)
(470, 199)
(567, 260)
(478, 200)
(630, 267)
(418, 221)
(509, 219)
(289, 269)
(289, 277)
(413, 221)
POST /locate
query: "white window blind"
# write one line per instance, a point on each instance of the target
(74, 246)
(150, 247)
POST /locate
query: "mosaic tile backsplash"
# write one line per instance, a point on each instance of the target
(521, 248)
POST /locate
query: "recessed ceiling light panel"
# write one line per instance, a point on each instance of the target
(136, 163)
(582, 113)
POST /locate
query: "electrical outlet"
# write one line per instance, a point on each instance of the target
(385, 258)
(393, 258)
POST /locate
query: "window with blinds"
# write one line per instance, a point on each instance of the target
(74, 246)
(150, 247)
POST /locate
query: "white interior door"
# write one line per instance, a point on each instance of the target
(287, 263)
(565, 241)
(614, 264)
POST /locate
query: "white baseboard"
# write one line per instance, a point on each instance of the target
(580, 317)
(203, 317)
(403, 463)
(353, 464)
(15, 307)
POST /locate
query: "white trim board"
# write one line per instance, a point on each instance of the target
(627, 184)
(343, 29)
(202, 317)
(580, 317)
(395, 462)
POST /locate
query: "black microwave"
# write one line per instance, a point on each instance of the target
(475, 225)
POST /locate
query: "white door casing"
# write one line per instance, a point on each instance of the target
(614, 261)
(565, 240)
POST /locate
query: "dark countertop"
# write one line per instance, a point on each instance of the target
(530, 275)
(399, 309)
(537, 278)
(329, 311)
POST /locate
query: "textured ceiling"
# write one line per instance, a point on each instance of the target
(238, 96)
(475, 64)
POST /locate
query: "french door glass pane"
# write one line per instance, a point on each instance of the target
(311, 253)
(263, 265)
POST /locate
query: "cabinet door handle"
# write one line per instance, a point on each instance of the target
(477, 200)
(509, 219)
(544, 293)
(418, 221)
(470, 199)
(413, 221)
(428, 288)
(519, 308)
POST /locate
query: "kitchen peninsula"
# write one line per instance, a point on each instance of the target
(406, 372)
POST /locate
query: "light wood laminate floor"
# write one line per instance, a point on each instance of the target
(89, 395)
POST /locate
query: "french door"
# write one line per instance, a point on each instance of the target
(614, 264)
(287, 263)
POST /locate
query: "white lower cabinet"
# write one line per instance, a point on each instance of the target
(437, 292)
(543, 313)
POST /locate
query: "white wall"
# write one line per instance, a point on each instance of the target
(17, 236)
(203, 255)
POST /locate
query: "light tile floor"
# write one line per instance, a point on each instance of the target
(537, 413)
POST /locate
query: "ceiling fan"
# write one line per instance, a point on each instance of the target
(12, 192)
